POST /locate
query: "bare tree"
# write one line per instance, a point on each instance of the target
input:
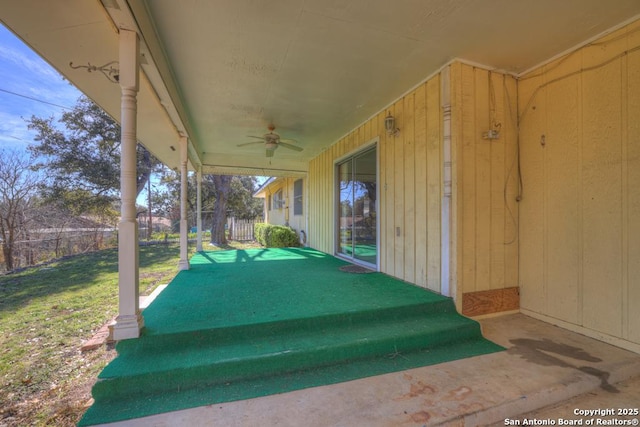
(18, 187)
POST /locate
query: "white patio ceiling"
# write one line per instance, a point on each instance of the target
(221, 70)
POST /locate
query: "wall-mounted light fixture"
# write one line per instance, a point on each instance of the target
(390, 125)
(110, 70)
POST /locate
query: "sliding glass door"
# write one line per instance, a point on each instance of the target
(357, 208)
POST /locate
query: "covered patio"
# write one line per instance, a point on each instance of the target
(266, 321)
(445, 106)
(499, 145)
(263, 344)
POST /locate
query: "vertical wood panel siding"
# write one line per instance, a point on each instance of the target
(410, 187)
(410, 174)
(485, 180)
(285, 214)
(580, 215)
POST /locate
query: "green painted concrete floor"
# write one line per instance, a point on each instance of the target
(244, 324)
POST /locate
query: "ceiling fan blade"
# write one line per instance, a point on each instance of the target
(250, 143)
(270, 153)
(253, 136)
(290, 147)
(288, 140)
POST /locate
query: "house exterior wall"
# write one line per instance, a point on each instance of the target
(411, 184)
(580, 214)
(485, 189)
(285, 214)
(409, 176)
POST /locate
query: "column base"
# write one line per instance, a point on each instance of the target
(184, 242)
(128, 326)
(184, 265)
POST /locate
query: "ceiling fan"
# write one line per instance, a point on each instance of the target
(271, 142)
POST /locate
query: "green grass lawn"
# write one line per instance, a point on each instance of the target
(46, 313)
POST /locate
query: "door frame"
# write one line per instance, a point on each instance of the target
(373, 143)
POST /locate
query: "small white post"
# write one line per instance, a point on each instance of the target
(129, 321)
(184, 238)
(199, 208)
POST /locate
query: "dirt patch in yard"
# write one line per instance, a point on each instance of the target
(61, 404)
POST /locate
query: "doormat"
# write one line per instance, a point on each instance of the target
(355, 269)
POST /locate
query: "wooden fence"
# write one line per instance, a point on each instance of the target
(241, 229)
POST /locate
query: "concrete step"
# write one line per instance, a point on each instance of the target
(212, 363)
(240, 362)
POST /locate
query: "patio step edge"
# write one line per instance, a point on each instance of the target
(120, 407)
(226, 334)
(209, 367)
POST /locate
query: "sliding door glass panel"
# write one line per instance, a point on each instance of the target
(364, 208)
(357, 211)
(345, 214)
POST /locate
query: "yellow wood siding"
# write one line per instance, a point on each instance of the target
(572, 244)
(285, 215)
(580, 215)
(410, 187)
(410, 175)
(485, 179)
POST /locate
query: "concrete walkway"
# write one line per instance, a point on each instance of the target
(625, 401)
(543, 366)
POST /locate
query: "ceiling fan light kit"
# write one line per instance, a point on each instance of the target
(271, 142)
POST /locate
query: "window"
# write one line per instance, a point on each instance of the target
(269, 202)
(297, 197)
(278, 201)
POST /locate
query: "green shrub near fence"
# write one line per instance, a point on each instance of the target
(259, 230)
(275, 236)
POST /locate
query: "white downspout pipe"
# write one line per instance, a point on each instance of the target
(129, 321)
(447, 287)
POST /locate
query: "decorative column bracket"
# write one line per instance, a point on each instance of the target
(111, 72)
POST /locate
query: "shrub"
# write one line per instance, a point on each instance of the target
(275, 236)
(282, 237)
(259, 232)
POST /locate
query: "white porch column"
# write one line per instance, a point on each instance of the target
(199, 208)
(184, 238)
(129, 321)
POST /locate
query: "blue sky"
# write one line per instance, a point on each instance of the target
(28, 86)
(23, 72)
